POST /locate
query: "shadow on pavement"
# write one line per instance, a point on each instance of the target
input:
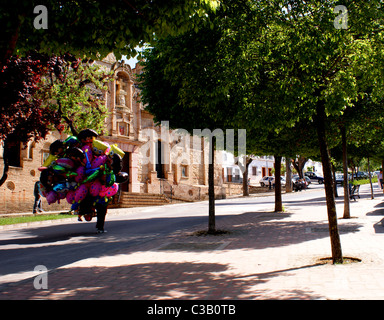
(150, 281)
(58, 245)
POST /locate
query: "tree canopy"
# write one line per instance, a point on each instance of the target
(277, 64)
(93, 28)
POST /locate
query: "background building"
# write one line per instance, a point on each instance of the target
(174, 164)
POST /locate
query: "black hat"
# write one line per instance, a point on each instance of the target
(83, 134)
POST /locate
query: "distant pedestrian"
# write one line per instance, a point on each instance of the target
(380, 178)
(37, 207)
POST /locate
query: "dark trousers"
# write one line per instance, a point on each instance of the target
(101, 211)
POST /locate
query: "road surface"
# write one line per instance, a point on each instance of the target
(56, 244)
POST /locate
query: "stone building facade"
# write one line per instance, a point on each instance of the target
(158, 160)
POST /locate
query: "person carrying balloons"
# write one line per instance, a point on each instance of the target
(86, 172)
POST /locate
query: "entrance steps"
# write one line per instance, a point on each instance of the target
(133, 199)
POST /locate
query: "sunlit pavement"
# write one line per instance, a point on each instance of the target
(263, 255)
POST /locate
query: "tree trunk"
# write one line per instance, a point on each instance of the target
(6, 166)
(288, 182)
(370, 179)
(299, 165)
(278, 200)
(347, 211)
(211, 187)
(245, 177)
(334, 181)
(337, 255)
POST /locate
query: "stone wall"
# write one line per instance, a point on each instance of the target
(16, 194)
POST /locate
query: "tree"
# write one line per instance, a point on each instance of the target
(93, 28)
(317, 68)
(182, 78)
(43, 93)
(74, 90)
(22, 114)
(285, 58)
(299, 163)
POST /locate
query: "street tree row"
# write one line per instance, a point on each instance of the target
(282, 71)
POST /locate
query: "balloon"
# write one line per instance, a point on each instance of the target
(72, 141)
(61, 195)
(59, 187)
(70, 196)
(81, 193)
(93, 174)
(42, 190)
(57, 147)
(110, 179)
(98, 161)
(122, 177)
(102, 200)
(99, 147)
(116, 163)
(88, 217)
(58, 169)
(65, 163)
(115, 149)
(80, 174)
(51, 197)
(49, 160)
(88, 152)
(109, 191)
(95, 188)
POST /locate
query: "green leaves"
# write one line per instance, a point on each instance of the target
(76, 94)
(96, 28)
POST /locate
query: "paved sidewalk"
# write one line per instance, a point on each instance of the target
(264, 256)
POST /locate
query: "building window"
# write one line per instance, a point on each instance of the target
(184, 171)
(122, 130)
(14, 155)
(254, 171)
(45, 155)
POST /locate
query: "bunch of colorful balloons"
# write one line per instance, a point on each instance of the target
(82, 166)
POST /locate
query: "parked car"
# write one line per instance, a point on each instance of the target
(311, 175)
(264, 182)
(314, 177)
(339, 179)
(361, 175)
